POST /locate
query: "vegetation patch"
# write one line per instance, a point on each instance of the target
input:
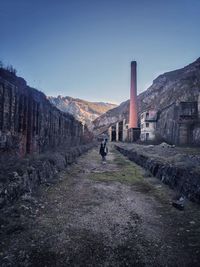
(125, 171)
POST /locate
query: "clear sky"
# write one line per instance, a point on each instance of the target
(83, 48)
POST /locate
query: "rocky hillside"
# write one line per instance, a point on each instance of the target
(111, 116)
(174, 86)
(83, 111)
(167, 89)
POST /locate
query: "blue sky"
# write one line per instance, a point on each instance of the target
(83, 48)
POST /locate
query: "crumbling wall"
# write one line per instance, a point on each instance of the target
(196, 134)
(29, 123)
(183, 177)
(179, 123)
(167, 126)
(31, 126)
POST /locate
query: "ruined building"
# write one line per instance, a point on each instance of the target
(148, 121)
(118, 131)
(29, 123)
(179, 123)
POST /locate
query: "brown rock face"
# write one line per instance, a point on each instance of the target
(29, 123)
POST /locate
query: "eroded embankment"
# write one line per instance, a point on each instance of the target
(173, 167)
(24, 176)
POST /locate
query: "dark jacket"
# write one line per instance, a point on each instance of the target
(103, 150)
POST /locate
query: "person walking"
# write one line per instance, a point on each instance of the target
(103, 150)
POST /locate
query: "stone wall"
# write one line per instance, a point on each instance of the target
(25, 175)
(183, 176)
(29, 123)
(36, 139)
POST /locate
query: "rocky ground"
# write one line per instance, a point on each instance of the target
(96, 214)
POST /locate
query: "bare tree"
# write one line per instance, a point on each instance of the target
(11, 69)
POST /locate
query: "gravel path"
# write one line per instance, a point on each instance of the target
(97, 214)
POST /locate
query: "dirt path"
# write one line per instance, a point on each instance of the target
(98, 214)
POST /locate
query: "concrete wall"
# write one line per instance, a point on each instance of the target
(118, 132)
(175, 126)
(125, 130)
(167, 125)
(196, 134)
(148, 133)
(29, 123)
(148, 125)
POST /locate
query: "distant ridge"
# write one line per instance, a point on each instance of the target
(84, 111)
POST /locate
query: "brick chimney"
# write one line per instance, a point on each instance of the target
(133, 118)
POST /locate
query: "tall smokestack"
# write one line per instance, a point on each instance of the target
(133, 118)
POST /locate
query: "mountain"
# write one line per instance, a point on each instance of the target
(164, 95)
(83, 110)
(110, 117)
(174, 86)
